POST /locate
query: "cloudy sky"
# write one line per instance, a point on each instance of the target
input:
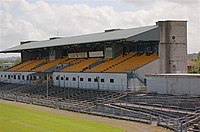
(22, 20)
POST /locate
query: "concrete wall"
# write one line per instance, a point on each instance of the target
(4, 77)
(120, 80)
(175, 85)
(150, 68)
(173, 46)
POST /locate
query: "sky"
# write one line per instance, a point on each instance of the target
(22, 20)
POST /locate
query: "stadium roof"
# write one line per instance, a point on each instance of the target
(148, 32)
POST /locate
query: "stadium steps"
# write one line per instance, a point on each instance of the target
(155, 112)
(11, 86)
(2, 84)
(120, 113)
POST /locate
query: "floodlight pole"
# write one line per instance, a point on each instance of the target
(47, 86)
(97, 82)
(78, 81)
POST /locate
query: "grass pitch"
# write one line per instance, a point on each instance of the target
(17, 119)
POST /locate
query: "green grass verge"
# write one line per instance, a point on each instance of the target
(18, 119)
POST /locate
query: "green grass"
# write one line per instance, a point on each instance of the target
(18, 119)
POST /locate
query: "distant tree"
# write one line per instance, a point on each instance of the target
(196, 68)
(17, 61)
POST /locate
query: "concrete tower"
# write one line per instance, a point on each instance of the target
(173, 46)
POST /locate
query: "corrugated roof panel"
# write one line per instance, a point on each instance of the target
(88, 38)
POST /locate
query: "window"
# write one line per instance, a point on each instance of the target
(81, 79)
(1, 75)
(34, 77)
(67, 78)
(89, 79)
(61, 78)
(111, 80)
(57, 78)
(8, 76)
(5, 76)
(19, 77)
(74, 79)
(14, 76)
(22, 77)
(95, 80)
(102, 80)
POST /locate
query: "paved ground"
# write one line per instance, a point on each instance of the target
(126, 125)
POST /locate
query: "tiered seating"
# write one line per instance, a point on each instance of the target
(32, 65)
(3, 84)
(109, 64)
(15, 68)
(132, 63)
(9, 87)
(51, 64)
(71, 62)
(81, 66)
(77, 99)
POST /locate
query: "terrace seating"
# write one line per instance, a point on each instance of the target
(71, 62)
(9, 86)
(3, 84)
(33, 65)
(50, 64)
(76, 98)
(110, 63)
(132, 63)
(78, 67)
(28, 66)
(15, 68)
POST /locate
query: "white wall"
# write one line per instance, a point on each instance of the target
(174, 85)
(120, 80)
(12, 80)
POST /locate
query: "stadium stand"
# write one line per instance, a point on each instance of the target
(107, 60)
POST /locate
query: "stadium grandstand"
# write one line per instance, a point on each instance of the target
(104, 74)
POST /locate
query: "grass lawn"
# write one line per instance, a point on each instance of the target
(17, 119)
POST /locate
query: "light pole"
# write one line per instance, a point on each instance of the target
(47, 86)
(59, 80)
(97, 82)
(64, 81)
(78, 81)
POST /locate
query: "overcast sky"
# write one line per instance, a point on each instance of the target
(22, 20)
